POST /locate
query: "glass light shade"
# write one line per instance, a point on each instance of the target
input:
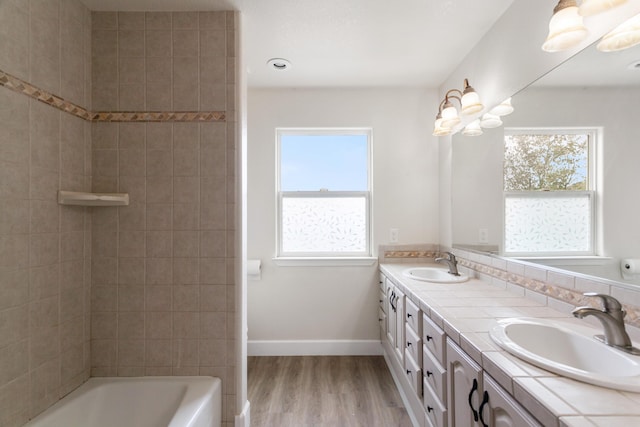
(471, 103)
(450, 117)
(592, 7)
(473, 129)
(622, 37)
(490, 121)
(503, 108)
(565, 30)
(439, 130)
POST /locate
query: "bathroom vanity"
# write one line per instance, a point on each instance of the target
(451, 373)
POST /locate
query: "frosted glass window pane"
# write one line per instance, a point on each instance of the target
(324, 224)
(553, 224)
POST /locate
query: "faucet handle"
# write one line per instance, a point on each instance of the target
(609, 303)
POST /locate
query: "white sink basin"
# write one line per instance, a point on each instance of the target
(559, 349)
(434, 274)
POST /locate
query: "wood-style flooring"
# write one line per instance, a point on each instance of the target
(323, 391)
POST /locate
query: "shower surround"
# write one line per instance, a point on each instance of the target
(146, 289)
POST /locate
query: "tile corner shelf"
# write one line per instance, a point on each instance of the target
(79, 198)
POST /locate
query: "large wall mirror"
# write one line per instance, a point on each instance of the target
(592, 90)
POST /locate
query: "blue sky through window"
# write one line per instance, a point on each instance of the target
(337, 162)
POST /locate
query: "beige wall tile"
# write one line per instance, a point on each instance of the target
(159, 216)
(159, 244)
(131, 43)
(185, 20)
(186, 216)
(213, 70)
(186, 189)
(158, 298)
(130, 298)
(213, 97)
(132, 162)
(158, 20)
(131, 70)
(130, 325)
(186, 97)
(185, 43)
(14, 287)
(158, 353)
(131, 20)
(159, 189)
(104, 42)
(185, 271)
(13, 362)
(158, 69)
(131, 97)
(186, 136)
(131, 352)
(131, 271)
(158, 43)
(185, 352)
(213, 298)
(131, 135)
(159, 163)
(158, 325)
(186, 325)
(213, 325)
(104, 298)
(104, 20)
(213, 271)
(159, 136)
(159, 271)
(212, 20)
(213, 42)
(131, 244)
(186, 243)
(186, 297)
(158, 97)
(132, 217)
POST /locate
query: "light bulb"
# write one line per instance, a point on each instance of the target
(490, 121)
(473, 129)
(503, 109)
(592, 7)
(450, 116)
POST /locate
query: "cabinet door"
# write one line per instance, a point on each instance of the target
(391, 314)
(499, 409)
(400, 340)
(464, 383)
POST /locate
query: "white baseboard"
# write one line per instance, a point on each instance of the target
(315, 348)
(244, 419)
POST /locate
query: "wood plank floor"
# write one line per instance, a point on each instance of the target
(323, 391)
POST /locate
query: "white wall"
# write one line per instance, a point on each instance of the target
(337, 303)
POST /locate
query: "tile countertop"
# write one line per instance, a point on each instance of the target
(467, 311)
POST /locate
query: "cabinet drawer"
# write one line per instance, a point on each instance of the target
(414, 374)
(434, 375)
(412, 316)
(382, 300)
(382, 320)
(413, 345)
(433, 339)
(382, 280)
(436, 413)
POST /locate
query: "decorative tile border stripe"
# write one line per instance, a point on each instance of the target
(20, 86)
(567, 295)
(159, 116)
(410, 254)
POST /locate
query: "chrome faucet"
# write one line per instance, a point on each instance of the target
(452, 262)
(612, 321)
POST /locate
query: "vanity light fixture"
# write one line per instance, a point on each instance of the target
(592, 7)
(565, 27)
(502, 109)
(448, 117)
(473, 129)
(490, 121)
(622, 37)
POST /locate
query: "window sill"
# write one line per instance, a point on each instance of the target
(323, 261)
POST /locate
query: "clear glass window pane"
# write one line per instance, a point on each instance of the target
(546, 161)
(548, 224)
(324, 224)
(332, 161)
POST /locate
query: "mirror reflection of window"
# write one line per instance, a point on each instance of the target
(549, 192)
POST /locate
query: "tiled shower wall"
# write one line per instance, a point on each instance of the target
(163, 267)
(44, 248)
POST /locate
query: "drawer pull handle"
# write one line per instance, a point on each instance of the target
(409, 316)
(429, 409)
(408, 344)
(408, 371)
(485, 400)
(429, 373)
(474, 388)
(429, 337)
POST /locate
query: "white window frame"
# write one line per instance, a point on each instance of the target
(594, 135)
(295, 258)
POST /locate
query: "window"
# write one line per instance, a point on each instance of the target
(549, 192)
(324, 192)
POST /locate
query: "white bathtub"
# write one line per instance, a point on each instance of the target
(138, 402)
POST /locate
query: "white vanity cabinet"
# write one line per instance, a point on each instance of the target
(475, 399)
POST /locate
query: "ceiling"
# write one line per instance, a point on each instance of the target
(347, 43)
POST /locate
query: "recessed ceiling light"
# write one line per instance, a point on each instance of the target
(279, 64)
(635, 65)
